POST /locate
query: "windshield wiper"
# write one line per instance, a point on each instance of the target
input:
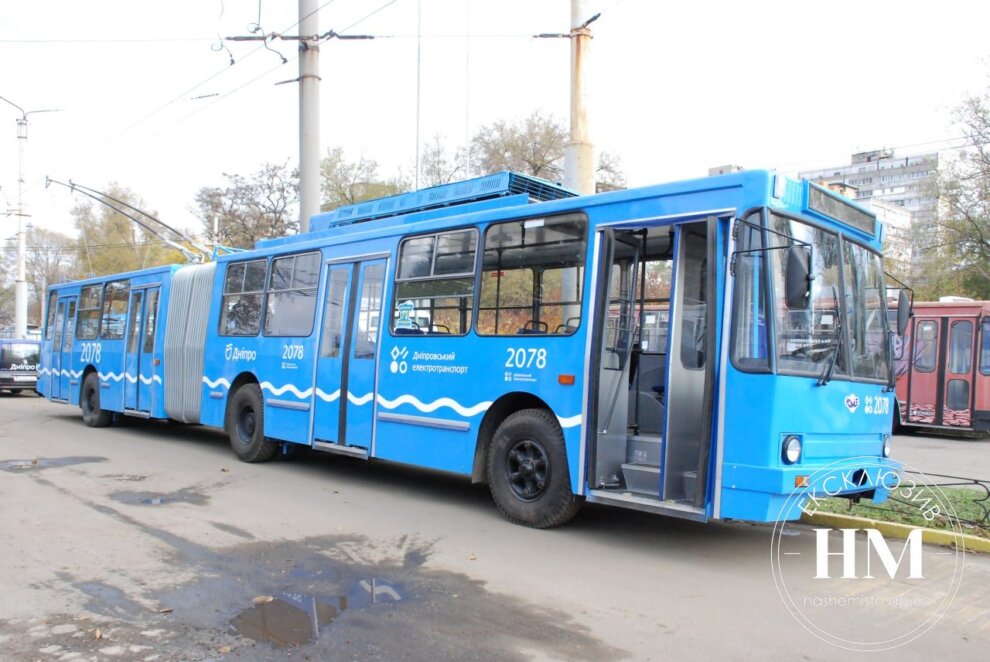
(826, 375)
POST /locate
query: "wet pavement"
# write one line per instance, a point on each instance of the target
(151, 542)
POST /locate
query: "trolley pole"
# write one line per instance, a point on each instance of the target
(309, 112)
(20, 286)
(579, 167)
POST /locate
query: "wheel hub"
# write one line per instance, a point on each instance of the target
(528, 469)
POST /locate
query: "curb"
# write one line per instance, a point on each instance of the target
(963, 541)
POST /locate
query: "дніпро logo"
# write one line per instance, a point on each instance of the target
(854, 587)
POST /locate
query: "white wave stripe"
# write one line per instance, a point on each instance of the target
(131, 378)
(43, 371)
(362, 400)
(327, 397)
(112, 376)
(466, 412)
(218, 382)
(302, 395)
(149, 380)
(570, 421)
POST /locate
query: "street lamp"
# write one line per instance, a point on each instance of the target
(20, 289)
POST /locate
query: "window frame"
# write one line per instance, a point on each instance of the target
(269, 291)
(538, 271)
(221, 331)
(924, 367)
(98, 308)
(984, 342)
(471, 297)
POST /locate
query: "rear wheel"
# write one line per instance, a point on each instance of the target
(89, 402)
(246, 425)
(527, 471)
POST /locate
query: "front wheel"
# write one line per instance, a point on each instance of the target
(527, 471)
(246, 425)
(89, 402)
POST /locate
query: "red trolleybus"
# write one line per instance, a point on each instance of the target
(943, 366)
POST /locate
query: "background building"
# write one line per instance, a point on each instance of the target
(884, 181)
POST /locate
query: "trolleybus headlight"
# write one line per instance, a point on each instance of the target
(791, 449)
(886, 445)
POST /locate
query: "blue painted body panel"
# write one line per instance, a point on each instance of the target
(106, 356)
(422, 400)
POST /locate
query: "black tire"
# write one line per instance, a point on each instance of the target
(246, 425)
(89, 402)
(527, 471)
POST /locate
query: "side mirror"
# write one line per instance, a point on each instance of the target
(903, 312)
(797, 284)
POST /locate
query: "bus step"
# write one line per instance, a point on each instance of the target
(643, 449)
(647, 504)
(642, 478)
(352, 451)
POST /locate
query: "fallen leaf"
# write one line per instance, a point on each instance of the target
(223, 650)
(166, 610)
(472, 557)
(263, 599)
(225, 470)
(98, 633)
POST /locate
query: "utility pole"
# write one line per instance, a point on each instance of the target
(579, 165)
(20, 287)
(309, 112)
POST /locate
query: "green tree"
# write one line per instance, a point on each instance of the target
(110, 242)
(963, 213)
(345, 182)
(261, 205)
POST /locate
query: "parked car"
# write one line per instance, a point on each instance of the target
(19, 361)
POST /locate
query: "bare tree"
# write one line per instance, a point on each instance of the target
(438, 166)
(345, 182)
(534, 146)
(253, 207)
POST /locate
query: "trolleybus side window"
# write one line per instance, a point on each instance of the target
(985, 348)
(243, 290)
(50, 318)
(88, 322)
(114, 310)
(149, 327)
(434, 284)
(960, 347)
(749, 334)
(292, 295)
(368, 307)
(333, 319)
(695, 297)
(533, 276)
(925, 346)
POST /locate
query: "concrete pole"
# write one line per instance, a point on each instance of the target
(309, 112)
(579, 164)
(20, 287)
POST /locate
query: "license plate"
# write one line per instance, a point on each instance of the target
(25, 378)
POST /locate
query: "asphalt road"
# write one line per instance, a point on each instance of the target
(149, 541)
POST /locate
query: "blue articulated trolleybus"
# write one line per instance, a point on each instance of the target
(699, 349)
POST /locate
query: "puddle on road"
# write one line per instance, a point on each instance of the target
(293, 619)
(186, 495)
(22, 466)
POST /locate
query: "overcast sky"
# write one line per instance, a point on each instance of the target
(148, 102)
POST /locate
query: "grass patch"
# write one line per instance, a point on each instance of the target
(963, 500)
